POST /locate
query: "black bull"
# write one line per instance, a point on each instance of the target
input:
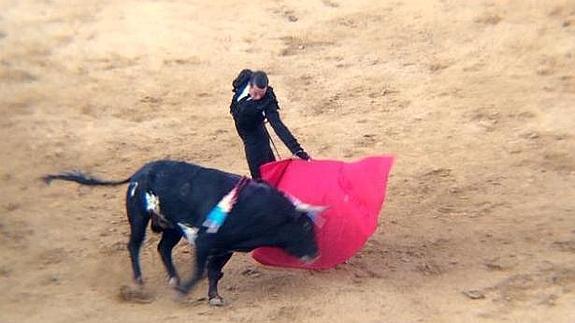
(177, 196)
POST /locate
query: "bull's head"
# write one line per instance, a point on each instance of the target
(303, 243)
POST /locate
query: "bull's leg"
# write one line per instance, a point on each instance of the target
(202, 252)
(137, 235)
(215, 265)
(170, 238)
(138, 221)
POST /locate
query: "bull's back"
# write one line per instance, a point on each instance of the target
(260, 211)
(186, 191)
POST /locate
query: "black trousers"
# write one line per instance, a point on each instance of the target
(258, 154)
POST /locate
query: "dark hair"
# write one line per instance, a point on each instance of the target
(259, 79)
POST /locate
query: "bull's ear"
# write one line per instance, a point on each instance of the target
(317, 219)
(297, 215)
(313, 212)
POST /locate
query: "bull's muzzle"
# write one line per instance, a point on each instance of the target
(308, 260)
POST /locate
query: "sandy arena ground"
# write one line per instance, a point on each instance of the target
(475, 98)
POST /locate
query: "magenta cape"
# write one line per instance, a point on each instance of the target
(354, 193)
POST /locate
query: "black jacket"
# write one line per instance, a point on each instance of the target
(249, 116)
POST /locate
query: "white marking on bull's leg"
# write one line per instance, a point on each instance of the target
(190, 233)
(173, 282)
(133, 187)
(152, 203)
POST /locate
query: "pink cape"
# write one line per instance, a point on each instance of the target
(354, 193)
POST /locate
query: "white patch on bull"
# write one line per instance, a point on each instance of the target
(190, 233)
(133, 187)
(152, 203)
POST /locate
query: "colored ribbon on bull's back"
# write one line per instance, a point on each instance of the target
(354, 193)
(215, 219)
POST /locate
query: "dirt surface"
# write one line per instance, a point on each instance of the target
(475, 98)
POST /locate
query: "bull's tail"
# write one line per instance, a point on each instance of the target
(82, 178)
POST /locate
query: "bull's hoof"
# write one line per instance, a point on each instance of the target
(217, 301)
(139, 281)
(173, 281)
(181, 289)
(180, 297)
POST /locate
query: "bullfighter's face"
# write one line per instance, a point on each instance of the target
(257, 93)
